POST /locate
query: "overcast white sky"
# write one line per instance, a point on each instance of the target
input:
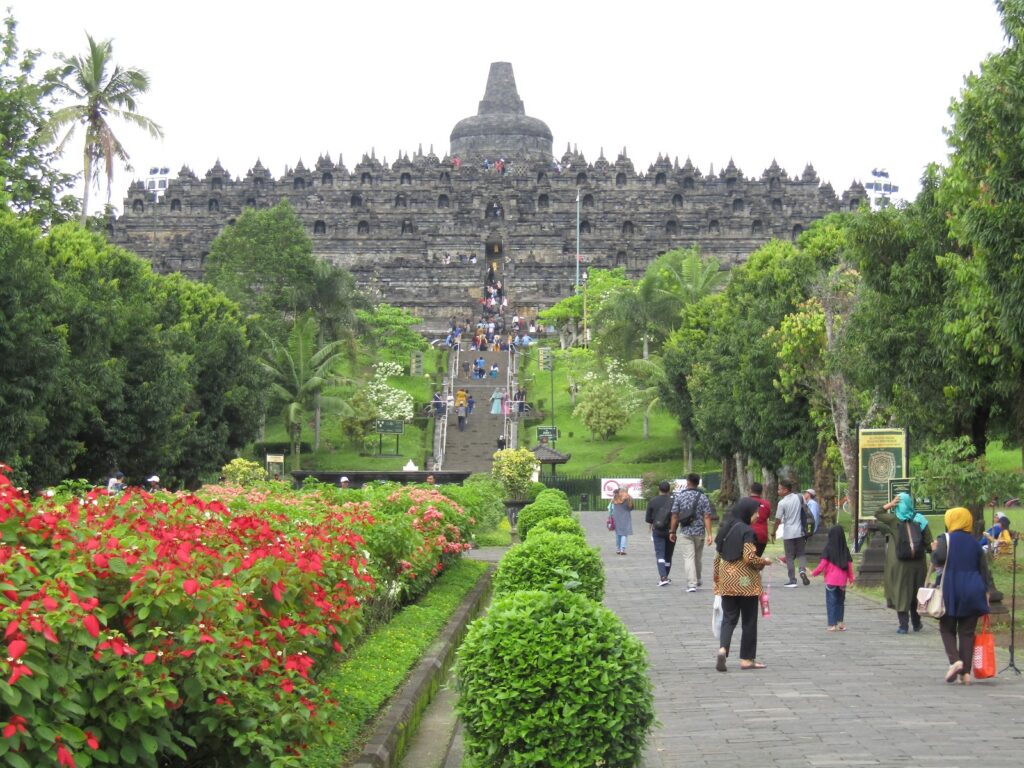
(847, 85)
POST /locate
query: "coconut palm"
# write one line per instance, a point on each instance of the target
(102, 90)
(299, 371)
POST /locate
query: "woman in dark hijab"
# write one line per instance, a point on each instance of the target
(737, 579)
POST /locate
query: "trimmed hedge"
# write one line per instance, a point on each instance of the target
(551, 561)
(558, 524)
(540, 509)
(553, 679)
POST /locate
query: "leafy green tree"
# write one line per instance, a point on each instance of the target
(34, 348)
(222, 369)
(299, 371)
(101, 90)
(985, 184)
(567, 315)
(30, 184)
(389, 334)
(514, 468)
(265, 263)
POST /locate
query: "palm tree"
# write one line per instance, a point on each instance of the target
(101, 94)
(683, 277)
(299, 371)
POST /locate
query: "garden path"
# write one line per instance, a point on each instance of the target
(865, 697)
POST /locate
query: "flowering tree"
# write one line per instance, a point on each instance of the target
(389, 402)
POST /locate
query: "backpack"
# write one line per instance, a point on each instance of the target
(806, 520)
(688, 513)
(909, 541)
(661, 513)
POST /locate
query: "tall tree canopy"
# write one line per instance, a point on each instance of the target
(29, 180)
(109, 365)
(985, 184)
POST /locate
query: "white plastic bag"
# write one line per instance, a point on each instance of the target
(716, 617)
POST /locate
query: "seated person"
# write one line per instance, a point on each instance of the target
(998, 536)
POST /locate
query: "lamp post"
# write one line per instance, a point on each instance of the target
(881, 188)
(586, 336)
(577, 239)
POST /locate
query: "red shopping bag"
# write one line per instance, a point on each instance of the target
(984, 651)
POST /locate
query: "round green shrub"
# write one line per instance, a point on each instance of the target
(533, 513)
(554, 493)
(551, 561)
(481, 496)
(553, 679)
(568, 525)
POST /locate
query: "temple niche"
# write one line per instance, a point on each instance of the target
(499, 189)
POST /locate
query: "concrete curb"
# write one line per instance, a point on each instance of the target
(394, 730)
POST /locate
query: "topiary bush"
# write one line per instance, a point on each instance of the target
(553, 679)
(553, 493)
(559, 524)
(533, 513)
(551, 561)
(243, 472)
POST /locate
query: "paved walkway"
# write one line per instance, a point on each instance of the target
(865, 697)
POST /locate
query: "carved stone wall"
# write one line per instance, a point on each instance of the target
(407, 230)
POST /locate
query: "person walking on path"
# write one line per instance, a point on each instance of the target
(659, 516)
(787, 512)
(496, 398)
(691, 516)
(838, 567)
(760, 520)
(904, 577)
(811, 500)
(737, 578)
(621, 510)
(460, 412)
(966, 583)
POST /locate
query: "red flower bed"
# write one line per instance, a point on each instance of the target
(142, 628)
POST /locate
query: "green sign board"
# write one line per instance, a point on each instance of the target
(922, 504)
(883, 455)
(550, 433)
(391, 426)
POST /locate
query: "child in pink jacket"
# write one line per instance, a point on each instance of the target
(838, 567)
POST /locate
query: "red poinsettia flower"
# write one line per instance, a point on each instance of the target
(64, 756)
(15, 725)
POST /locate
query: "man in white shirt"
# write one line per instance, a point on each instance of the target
(788, 514)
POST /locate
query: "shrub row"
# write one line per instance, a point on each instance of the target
(155, 630)
(549, 676)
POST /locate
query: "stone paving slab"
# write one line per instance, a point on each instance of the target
(865, 697)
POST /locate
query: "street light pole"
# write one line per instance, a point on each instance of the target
(577, 239)
(586, 337)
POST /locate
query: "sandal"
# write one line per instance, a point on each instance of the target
(720, 663)
(754, 665)
(833, 628)
(841, 627)
(953, 671)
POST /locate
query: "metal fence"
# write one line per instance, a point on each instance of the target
(584, 491)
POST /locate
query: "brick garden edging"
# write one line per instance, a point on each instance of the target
(393, 731)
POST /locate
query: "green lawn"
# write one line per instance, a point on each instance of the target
(337, 453)
(625, 454)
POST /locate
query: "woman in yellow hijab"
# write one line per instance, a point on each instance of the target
(966, 582)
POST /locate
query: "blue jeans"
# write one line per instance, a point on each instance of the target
(620, 542)
(663, 549)
(835, 604)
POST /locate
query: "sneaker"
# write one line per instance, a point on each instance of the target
(917, 627)
(789, 584)
(901, 631)
(804, 579)
(691, 589)
(664, 583)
